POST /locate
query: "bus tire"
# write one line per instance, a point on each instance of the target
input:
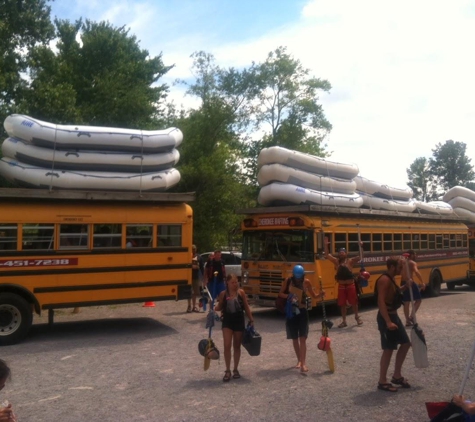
(16, 318)
(435, 282)
(450, 285)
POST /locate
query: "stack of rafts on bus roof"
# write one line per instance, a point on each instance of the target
(462, 201)
(292, 177)
(38, 154)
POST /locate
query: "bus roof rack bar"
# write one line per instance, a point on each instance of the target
(96, 195)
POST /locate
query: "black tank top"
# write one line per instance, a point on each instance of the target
(343, 273)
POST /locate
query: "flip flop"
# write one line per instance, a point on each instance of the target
(236, 374)
(387, 387)
(342, 325)
(189, 309)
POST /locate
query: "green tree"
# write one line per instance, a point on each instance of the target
(287, 107)
(23, 25)
(103, 79)
(450, 165)
(421, 180)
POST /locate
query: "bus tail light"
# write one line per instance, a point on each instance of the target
(249, 222)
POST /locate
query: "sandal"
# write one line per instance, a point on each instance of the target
(195, 309)
(401, 381)
(387, 387)
(236, 374)
(227, 376)
(189, 309)
(359, 321)
(409, 324)
(342, 325)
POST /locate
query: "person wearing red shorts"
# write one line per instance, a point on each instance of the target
(346, 282)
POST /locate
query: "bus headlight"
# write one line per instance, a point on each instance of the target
(245, 277)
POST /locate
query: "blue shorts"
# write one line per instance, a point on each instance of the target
(406, 295)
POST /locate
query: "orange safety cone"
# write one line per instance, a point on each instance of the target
(148, 305)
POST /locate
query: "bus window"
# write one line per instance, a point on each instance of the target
(340, 242)
(38, 236)
(139, 235)
(73, 236)
(397, 241)
(453, 242)
(107, 236)
(459, 240)
(438, 241)
(388, 242)
(377, 242)
(406, 241)
(431, 241)
(168, 235)
(424, 244)
(446, 241)
(8, 237)
(353, 242)
(416, 243)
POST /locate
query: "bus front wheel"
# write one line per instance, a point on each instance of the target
(15, 318)
(435, 283)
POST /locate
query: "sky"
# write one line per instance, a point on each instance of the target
(402, 73)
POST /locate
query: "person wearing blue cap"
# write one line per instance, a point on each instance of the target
(296, 290)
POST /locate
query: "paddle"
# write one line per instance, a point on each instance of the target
(325, 342)
(418, 340)
(364, 275)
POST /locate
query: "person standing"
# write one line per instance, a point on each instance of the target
(6, 413)
(197, 270)
(215, 282)
(416, 290)
(297, 326)
(390, 326)
(232, 302)
(346, 281)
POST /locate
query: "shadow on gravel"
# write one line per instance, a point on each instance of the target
(104, 331)
(378, 398)
(200, 384)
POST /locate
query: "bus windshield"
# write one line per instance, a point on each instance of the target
(278, 245)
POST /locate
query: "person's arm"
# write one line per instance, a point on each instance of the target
(326, 252)
(311, 292)
(466, 407)
(384, 284)
(220, 305)
(243, 295)
(7, 415)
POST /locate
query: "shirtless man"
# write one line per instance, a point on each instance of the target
(416, 290)
(346, 282)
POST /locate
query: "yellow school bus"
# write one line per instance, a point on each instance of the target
(73, 249)
(277, 238)
(471, 247)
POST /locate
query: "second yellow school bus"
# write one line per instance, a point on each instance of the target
(277, 238)
(74, 249)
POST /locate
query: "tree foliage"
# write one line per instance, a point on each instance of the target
(23, 25)
(421, 180)
(103, 78)
(450, 165)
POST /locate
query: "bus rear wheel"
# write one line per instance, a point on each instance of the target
(435, 282)
(15, 318)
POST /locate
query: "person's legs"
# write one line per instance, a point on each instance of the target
(227, 342)
(303, 354)
(342, 299)
(237, 340)
(400, 357)
(417, 305)
(384, 365)
(406, 312)
(295, 343)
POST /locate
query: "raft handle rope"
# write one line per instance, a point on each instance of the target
(54, 156)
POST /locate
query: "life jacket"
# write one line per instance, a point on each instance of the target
(396, 303)
(343, 273)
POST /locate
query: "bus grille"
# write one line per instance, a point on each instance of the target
(270, 281)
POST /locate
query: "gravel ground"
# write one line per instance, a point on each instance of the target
(129, 363)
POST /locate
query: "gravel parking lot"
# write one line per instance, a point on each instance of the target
(130, 363)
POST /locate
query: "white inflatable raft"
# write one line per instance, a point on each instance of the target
(269, 173)
(64, 137)
(284, 193)
(36, 177)
(464, 214)
(376, 203)
(306, 162)
(463, 202)
(434, 207)
(88, 160)
(459, 191)
(383, 191)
